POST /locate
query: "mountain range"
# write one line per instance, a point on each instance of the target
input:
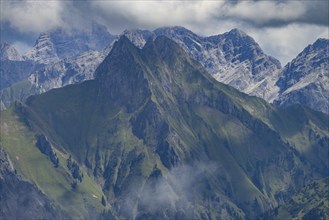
(61, 57)
(155, 135)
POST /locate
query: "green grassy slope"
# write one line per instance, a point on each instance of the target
(19, 142)
(157, 111)
(18, 91)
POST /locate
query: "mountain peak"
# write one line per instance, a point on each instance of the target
(134, 31)
(122, 46)
(320, 44)
(123, 40)
(304, 80)
(156, 113)
(121, 76)
(237, 32)
(43, 50)
(62, 43)
(172, 31)
(138, 36)
(122, 53)
(322, 41)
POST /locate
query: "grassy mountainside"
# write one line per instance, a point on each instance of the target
(21, 199)
(20, 143)
(311, 202)
(163, 139)
(17, 91)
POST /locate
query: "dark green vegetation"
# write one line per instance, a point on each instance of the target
(162, 138)
(311, 202)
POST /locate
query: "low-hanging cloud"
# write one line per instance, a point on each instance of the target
(174, 191)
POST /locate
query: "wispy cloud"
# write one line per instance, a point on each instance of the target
(175, 190)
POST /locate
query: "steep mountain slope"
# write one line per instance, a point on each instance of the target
(309, 203)
(17, 91)
(20, 199)
(164, 139)
(233, 58)
(305, 80)
(61, 193)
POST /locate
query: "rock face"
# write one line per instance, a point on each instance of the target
(233, 58)
(67, 71)
(45, 147)
(245, 67)
(21, 199)
(68, 57)
(164, 139)
(305, 80)
(8, 52)
(58, 58)
(13, 67)
(56, 45)
(74, 169)
(43, 51)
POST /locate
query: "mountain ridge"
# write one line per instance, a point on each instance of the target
(305, 79)
(151, 113)
(233, 58)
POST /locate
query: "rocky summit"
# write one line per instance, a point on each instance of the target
(154, 135)
(305, 80)
(62, 57)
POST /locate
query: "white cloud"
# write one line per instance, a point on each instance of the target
(32, 16)
(265, 12)
(287, 42)
(21, 47)
(282, 28)
(153, 14)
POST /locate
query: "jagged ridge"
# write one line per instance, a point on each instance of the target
(156, 109)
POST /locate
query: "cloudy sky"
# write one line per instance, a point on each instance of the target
(281, 27)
